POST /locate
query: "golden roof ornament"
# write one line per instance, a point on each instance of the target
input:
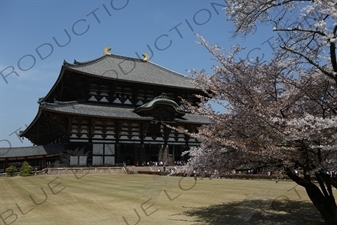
(146, 57)
(106, 51)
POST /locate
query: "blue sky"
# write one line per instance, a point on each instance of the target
(34, 42)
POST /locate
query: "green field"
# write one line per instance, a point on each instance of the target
(146, 199)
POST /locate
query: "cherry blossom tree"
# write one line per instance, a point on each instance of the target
(270, 119)
(280, 114)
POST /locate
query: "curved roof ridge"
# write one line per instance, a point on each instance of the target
(77, 63)
(57, 103)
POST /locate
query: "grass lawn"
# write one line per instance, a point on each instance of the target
(151, 200)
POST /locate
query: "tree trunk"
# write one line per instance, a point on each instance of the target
(323, 204)
(322, 199)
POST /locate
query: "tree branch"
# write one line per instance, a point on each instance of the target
(310, 61)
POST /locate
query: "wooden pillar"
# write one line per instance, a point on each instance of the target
(142, 153)
(187, 138)
(142, 146)
(68, 125)
(6, 163)
(118, 157)
(165, 135)
(136, 155)
(44, 162)
(143, 130)
(118, 129)
(91, 130)
(173, 155)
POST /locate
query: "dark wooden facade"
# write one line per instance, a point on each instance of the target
(113, 110)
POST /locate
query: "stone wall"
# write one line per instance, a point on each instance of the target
(84, 170)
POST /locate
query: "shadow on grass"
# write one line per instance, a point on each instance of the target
(273, 212)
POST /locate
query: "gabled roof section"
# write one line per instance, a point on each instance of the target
(160, 100)
(132, 70)
(40, 150)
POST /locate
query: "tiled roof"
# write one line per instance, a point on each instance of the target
(31, 151)
(102, 110)
(132, 70)
(93, 109)
(193, 118)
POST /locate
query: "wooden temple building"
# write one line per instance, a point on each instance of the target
(109, 111)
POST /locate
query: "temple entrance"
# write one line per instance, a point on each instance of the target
(135, 154)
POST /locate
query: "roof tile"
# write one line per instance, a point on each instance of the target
(131, 69)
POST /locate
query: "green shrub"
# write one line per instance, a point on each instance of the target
(11, 170)
(26, 169)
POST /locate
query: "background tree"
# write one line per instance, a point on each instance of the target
(26, 169)
(11, 170)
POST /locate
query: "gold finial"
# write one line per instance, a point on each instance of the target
(106, 51)
(146, 57)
